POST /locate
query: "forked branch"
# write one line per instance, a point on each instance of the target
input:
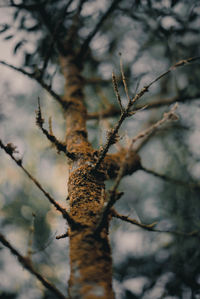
(131, 101)
(114, 195)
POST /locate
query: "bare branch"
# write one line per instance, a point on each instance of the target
(166, 117)
(104, 113)
(113, 162)
(88, 40)
(72, 31)
(37, 77)
(126, 112)
(61, 147)
(63, 236)
(113, 111)
(144, 134)
(133, 221)
(192, 185)
(54, 38)
(26, 263)
(150, 227)
(114, 194)
(46, 19)
(179, 98)
(10, 149)
(109, 141)
(172, 68)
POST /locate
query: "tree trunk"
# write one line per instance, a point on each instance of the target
(90, 253)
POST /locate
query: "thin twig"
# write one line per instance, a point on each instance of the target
(113, 111)
(110, 111)
(125, 113)
(76, 23)
(30, 237)
(10, 149)
(164, 177)
(166, 117)
(109, 141)
(150, 227)
(37, 78)
(61, 147)
(114, 194)
(172, 68)
(63, 236)
(54, 37)
(88, 40)
(116, 90)
(124, 81)
(26, 263)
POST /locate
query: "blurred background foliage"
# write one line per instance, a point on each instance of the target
(151, 36)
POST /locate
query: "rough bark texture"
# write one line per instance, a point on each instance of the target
(90, 254)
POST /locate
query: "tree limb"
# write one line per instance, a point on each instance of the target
(114, 161)
(61, 147)
(54, 38)
(26, 263)
(150, 227)
(114, 194)
(164, 177)
(88, 40)
(131, 102)
(38, 79)
(10, 149)
(113, 111)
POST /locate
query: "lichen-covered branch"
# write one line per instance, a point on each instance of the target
(76, 114)
(113, 162)
(61, 147)
(90, 257)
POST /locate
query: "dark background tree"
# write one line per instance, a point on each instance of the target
(151, 37)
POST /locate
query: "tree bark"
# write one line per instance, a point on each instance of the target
(90, 253)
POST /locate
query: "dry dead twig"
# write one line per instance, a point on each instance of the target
(131, 102)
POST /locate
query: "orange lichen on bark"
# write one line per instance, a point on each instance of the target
(90, 257)
(76, 114)
(113, 162)
(86, 195)
(91, 266)
(90, 254)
